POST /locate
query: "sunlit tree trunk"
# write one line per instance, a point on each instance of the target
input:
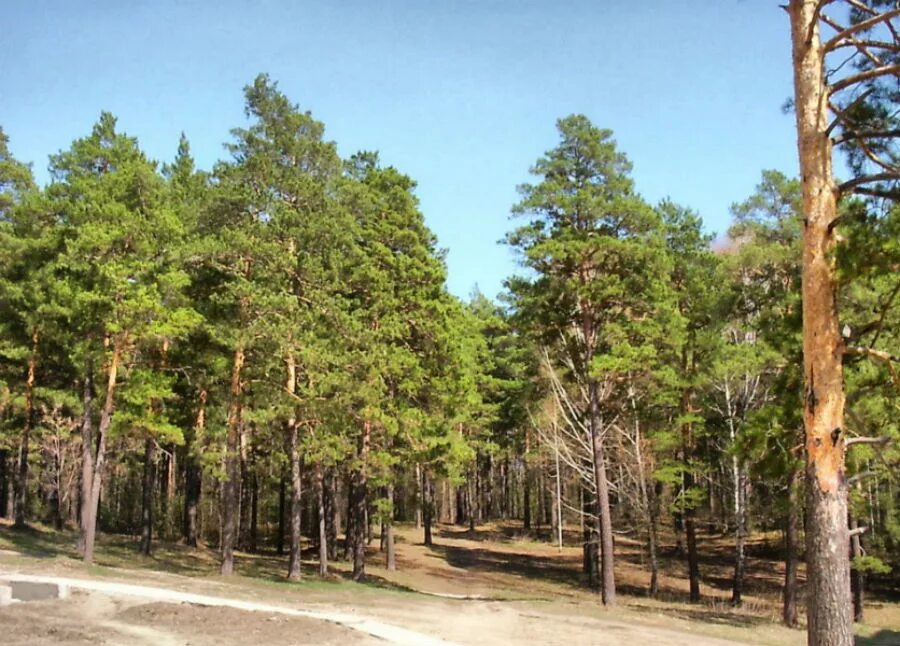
(96, 480)
(829, 604)
(296, 505)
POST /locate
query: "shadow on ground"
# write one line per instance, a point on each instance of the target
(555, 569)
(881, 638)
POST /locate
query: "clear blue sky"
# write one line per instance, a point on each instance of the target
(461, 95)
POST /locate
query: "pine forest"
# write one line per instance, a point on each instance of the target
(263, 357)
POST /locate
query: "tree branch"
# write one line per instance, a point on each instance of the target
(860, 476)
(858, 44)
(875, 72)
(884, 311)
(866, 179)
(873, 44)
(850, 135)
(856, 531)
(863, 25)
(888, 358)
(840, 114)
(881, 355)
(886, 166)
(850, 441)
(862, 7)
(871, 192)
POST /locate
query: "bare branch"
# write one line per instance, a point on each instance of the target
(838, 28)
(860, 476)
(888, 358)
(856, 531)
(871, 44)
(850, 441)
(841, 114)
(881, 355)
(862, 7)
(850, 135)
(875, 72)
(877, 160)
(863, 25)
(873, 192)
(866, 179)
(860, 47)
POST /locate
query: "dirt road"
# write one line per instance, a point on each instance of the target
(111, 612)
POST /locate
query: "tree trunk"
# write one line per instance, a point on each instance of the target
(169, 500)
(472, 497)
(557, 507)
(9, 492)
(590, 561)
(792, 540)
(54, 485)
(687, 506)
(829, 603)
(462, 504)
(147, 495)
(690, 531)
(359, 495)
(323, 531)
(526, 500)
(194, 475)
(427, 507)
(607, 570)
(332, 520)
(296, 502)
(90, 528)
(231, 488)
(391, 558)
(738, 477)
(420, 496)
(489, 510)
(21, 485)
(282, 508)
(87, 454)
(6, 500)
(647, 500)
(655, 495)
(350, 532)
(245, 491)
(858, 580)
(254, 512)
(740, 530)
(293, 430)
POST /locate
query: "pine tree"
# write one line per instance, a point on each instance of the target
(597, 254)
(118, 271)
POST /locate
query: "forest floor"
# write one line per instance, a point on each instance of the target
(495, 586)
